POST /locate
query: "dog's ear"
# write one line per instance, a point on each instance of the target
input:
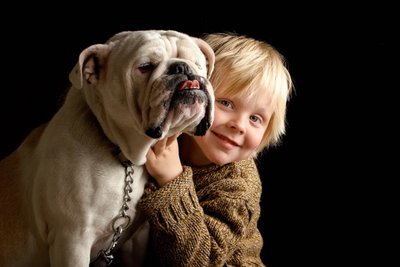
(88, 65)
(208, 52)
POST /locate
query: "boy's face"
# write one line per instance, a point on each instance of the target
(238, 128)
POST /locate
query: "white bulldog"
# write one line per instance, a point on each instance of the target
(68, 193)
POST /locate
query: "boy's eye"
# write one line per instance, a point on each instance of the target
(224, 102)
(255, 118)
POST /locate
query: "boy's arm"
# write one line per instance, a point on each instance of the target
(217, 225)
(163, 162)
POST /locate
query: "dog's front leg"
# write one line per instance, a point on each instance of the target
(70, 249)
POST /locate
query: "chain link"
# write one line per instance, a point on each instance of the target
(122, 220)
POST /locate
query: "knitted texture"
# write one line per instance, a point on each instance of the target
(206, 217)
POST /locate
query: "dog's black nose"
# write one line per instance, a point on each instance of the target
(154, 132)
(179, 68)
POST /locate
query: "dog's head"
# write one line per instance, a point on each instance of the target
(146, 85)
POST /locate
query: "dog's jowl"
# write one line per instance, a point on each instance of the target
(68, 193)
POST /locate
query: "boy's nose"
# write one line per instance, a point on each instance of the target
(238, 124)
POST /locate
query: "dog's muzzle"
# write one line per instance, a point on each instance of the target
(186, 89)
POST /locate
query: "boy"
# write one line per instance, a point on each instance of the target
(204, 204)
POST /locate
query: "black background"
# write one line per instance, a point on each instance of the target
(318, 202)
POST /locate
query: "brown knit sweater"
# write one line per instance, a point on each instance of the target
(206, 217)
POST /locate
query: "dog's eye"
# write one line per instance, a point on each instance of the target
(146, 67)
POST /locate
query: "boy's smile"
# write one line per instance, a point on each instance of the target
(238, 128)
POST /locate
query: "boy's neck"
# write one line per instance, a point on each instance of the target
(190, 153)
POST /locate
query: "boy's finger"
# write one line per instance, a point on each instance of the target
(172, 138)
(150, 154)
(159, 146)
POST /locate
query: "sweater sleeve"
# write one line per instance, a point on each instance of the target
(207, 219)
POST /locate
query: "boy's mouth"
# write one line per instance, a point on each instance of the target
(225, 139)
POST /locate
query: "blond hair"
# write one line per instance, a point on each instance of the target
(246, 66)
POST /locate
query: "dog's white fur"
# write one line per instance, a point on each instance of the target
(63, 186)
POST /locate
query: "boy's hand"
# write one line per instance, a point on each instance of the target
(163, 162)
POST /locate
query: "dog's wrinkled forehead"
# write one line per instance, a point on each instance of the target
(154, 47)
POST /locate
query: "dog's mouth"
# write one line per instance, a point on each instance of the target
(190, 95)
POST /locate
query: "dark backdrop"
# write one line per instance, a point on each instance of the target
(338, 56)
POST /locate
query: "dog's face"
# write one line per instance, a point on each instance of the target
(149, 82)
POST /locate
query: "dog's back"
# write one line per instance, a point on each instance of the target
(16, 240)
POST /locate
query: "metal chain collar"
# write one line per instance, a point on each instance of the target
(122, 220)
